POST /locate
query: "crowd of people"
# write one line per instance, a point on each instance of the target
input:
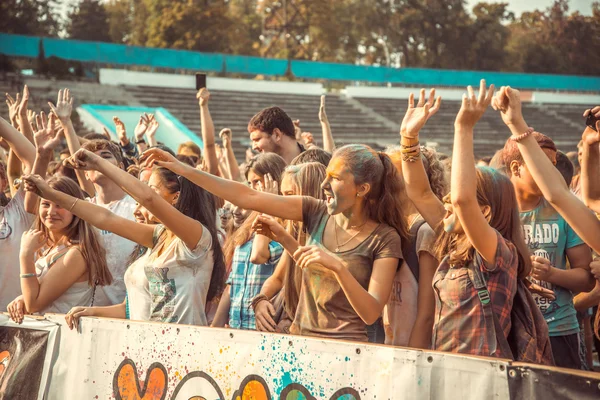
(396, 246)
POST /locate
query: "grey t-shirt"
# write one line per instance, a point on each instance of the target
(323, 308)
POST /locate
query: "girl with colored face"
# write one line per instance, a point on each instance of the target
(353, 238)
(62, 260)
(479, 232)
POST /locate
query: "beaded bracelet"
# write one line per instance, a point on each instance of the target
(522, 136)
(404, 146)
(30, 275)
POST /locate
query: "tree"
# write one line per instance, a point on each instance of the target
(29, 17)
(119, 14)
(89, 21)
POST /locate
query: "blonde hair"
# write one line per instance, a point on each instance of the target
(193, 147)
(81, 234)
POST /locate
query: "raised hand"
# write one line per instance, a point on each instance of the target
(64, 105)
(141, 127)
(308, 138)
(13, 107)
(82, 159)
(473, 108)
(152, 126)
(161, 158)
(322, 114)
(297, 129)
(416, 117)
(203, 96)
(225, 136)
(270, 185)
(31, 241)
(591, 136)
(268, 226)
(121, 131)
(508, 102)
(24, 102)
(35, 184)
(46, 136)
(31, 116)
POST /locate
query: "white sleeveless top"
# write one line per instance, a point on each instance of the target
(79, 294)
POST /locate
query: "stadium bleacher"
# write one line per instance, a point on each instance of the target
(372, 121)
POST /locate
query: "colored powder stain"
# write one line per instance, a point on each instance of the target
(254, 391)
(227, 368)
(347, 359)
(419, 381)
(221, 351)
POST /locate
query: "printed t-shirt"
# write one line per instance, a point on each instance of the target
(246, 280)
(459, 325)
(118, 251)
(14, 220)
(323, 308)
(400, 313)
(171, 287)
(549, 236)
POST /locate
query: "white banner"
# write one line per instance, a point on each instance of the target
(130, 360)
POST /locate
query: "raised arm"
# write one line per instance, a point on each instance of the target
(140, 130)
(328, 143)
(46, 139)
(185, 228)
(464, 180)
(590, 164)
(414, 174)
(153, 126)
(208, 132)
(22, 117)
(18, 144)
(285, 207)
(546, 176)
(63, 110)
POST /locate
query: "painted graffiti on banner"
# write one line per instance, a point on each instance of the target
(198, 385)
(22, 354)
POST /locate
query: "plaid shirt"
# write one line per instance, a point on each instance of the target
(245, 280)
(459, 321)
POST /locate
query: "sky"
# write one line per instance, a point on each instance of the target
(518, 6)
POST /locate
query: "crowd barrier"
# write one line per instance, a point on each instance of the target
(118, 54)
(123, 359)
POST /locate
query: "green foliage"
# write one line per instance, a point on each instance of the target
(89, 21)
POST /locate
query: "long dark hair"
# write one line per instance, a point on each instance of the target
(197, 203)
(81, 234)
(383, 202)
(496, 191)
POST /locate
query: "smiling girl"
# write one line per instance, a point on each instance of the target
(354, 237)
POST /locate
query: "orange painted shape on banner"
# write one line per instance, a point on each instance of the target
(129, 388)
(254, 390)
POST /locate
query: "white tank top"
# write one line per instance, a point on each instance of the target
(79, 294)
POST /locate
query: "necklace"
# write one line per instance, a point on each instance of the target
(338, 245)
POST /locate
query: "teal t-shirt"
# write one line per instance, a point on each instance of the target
(549, 236)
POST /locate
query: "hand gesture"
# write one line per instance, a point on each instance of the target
(64, 105)
(473, 108)
(121, 131)
(322, 114)
(203, 96)
(270, 185)
(225, 136)
(297, 129)
(542, 269)
(308, 138)
(264, 313)
(219, 152)
(13, 107)
(152, 126)
(36, 184)
(508, 102)
(268, 226)
(161, 158)
(307, 256)
(591, 136)
(16, 309)
(141, 127)
(24, 102)
(534, 288)
(82, 159)
(595, 269)
(31, 116)
(31, 241)
(416, 117)
(73, 316)
(46, 136)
